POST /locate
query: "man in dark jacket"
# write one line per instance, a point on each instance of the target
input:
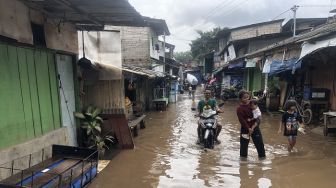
(244, 113)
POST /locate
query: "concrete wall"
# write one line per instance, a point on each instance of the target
(15, 23)
(136, 45)
(255, 31)
(20, 153)
(63, 38)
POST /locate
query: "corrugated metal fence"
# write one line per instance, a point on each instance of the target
(29, 97)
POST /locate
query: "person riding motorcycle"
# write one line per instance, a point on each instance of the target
(208, 102)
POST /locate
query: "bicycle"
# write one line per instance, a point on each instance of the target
(304, 108)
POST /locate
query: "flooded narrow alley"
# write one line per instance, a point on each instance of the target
(166, 155)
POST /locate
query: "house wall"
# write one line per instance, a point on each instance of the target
(105, 94)
(255, 31)
(222, 42)
(38, 148)
(136, 45)
(323, 76)
(257, 44)
(29, 92)
(145, 92)
(29, 95)
(15, 23)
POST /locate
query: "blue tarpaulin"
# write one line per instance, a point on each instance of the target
(278, 66)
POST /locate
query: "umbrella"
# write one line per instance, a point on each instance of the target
(192, 79)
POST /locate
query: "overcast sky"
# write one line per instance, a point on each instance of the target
(185, 16)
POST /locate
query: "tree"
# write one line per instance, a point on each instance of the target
(183, 56)
(205, 43)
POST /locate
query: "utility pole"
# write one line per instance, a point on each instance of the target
(294, 9)
(164, 51)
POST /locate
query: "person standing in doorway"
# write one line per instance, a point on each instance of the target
(245, 113)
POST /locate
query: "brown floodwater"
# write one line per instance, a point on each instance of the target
(166, 155)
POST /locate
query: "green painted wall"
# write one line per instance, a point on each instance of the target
(29, 100)
(254, 79)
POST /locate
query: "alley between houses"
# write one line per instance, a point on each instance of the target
(166, 155)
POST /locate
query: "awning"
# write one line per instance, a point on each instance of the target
(169, 62)
(219, 69)
(310, 48)
(278, 66)
(111, 70)
(142, 71)
(237, 65)
(108, 71)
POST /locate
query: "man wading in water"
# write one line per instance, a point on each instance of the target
(245, 113)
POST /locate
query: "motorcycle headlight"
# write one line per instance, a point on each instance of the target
(209, 125)
(209, 121)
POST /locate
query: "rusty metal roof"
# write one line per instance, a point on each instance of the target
(142, 71)
(323, 30)
(89, 13)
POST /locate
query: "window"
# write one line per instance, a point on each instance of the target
(38, 34)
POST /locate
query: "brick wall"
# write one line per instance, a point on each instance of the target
(135, 45)
(255, 31)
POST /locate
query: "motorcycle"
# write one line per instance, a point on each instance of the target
(208, 122)
(231, 93)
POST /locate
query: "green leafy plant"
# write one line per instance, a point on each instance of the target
(91, 123)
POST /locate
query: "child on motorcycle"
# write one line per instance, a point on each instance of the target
(208, 102)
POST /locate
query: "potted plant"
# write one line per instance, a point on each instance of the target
(91, 123)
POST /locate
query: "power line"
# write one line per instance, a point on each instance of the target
(211, 15)
(281, 14)
(238, 5)
(220, 5)
(316, 6)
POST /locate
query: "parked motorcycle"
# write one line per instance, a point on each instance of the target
(229, 93)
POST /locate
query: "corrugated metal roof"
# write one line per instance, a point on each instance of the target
(142, 71)
(89, 12)
(321, 31)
